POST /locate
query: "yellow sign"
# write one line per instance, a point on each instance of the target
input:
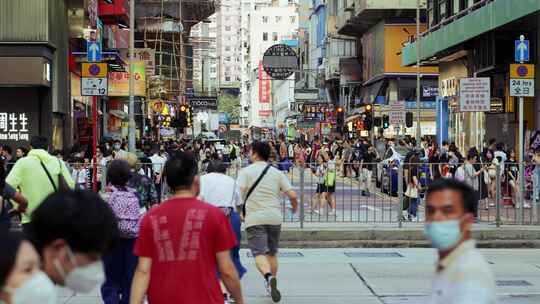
(119, 81)
(94, 70)
(522, 71)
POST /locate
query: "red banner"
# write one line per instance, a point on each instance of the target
(264, 85)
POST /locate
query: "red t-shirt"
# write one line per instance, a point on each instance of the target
(182, 237)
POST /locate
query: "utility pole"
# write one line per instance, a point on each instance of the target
(418, 47)
(131, 130)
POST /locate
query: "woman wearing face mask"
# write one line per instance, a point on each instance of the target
(21, 280)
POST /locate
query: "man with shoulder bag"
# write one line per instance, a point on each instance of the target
(38, 175)
(261, 186)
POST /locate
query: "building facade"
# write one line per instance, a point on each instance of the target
(268, 25)
(477, 39)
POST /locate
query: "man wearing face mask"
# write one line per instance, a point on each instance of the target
(463, 275)
(71, 231)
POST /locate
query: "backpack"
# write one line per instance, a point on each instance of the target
(125, 206)
(460, 174)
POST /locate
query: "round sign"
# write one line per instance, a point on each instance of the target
(522, 71)
(94, 69)
(280, 61)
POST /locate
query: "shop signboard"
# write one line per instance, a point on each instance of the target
(203, 102)
(474, 95)
(119, 81)
(14, 126)
(264, 85)
(280, 61)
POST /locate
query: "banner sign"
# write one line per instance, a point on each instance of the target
(119, 81)
(264, 85)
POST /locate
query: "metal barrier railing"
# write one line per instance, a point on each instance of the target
(378, 193)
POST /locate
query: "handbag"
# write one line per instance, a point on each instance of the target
(62, 184)
(250, 191)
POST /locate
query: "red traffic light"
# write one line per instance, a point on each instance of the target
(183, 108)
(340, 110)
(369, 108)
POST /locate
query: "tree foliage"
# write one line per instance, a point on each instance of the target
(230, 104)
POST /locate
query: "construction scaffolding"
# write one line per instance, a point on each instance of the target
(164, 26)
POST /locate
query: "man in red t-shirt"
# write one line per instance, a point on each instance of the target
(181, 245)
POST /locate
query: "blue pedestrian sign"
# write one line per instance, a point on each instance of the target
(93, 51)
(522, 50)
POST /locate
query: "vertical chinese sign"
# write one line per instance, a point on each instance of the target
(265, 109)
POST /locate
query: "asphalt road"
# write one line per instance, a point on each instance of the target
(374, 276)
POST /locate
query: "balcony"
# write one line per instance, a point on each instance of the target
(478, 19)
(114, 12)
(357, 16)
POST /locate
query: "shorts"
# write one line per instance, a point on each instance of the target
(330, 189)
(263, 239)
(321, 188)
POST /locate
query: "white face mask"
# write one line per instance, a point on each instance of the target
(82, 279)
(38, 289)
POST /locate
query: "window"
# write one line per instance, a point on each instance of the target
(227, 49)
(265, 19)
(278, 19)
(265, 36)
(228, 78)
(212, 70)
(293, 19)
(274, 36)
(228, 28)
(228, 58)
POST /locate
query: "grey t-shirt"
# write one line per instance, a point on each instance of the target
(263, 207)
(470, 178)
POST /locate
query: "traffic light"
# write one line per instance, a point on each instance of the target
(183, 117)
(377, 122)
(340, 119)
(385, 121)
(369, 108)
(409, 119)
(368, 121)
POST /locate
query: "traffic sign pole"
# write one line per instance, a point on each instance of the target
(94, 142)
(521, 49)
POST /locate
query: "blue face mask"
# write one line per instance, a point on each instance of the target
(443, 235)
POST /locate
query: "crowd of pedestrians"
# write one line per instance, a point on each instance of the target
(160, 224)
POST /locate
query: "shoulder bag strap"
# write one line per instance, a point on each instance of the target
(250, 191)
(48, 175)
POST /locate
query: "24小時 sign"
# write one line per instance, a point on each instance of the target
(522, 87)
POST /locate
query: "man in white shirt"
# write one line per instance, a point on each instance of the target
(463, 275)
(222, 191)
(263, 211)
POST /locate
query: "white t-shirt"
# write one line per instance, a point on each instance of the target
(157, 163)
(220, 190)
(264, 205)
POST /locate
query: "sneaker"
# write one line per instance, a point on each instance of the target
(332, 212)
(316, 212)
(271, 288)
(527, 206)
